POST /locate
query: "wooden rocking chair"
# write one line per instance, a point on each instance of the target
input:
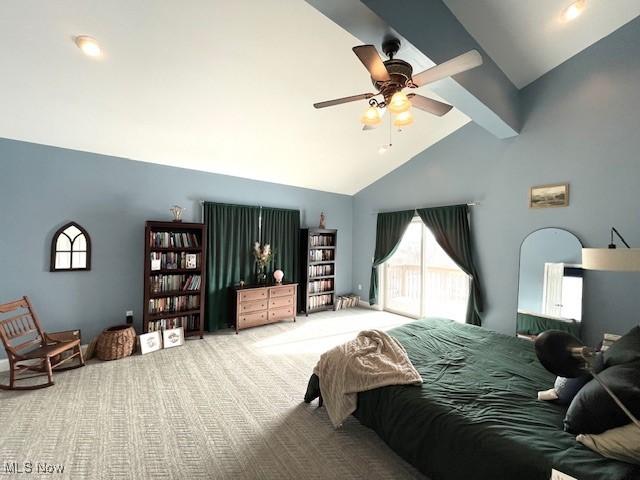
(29, 348)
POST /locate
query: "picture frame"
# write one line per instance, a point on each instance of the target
(150, 342)
(191, 260)
(173, 337)
(554, 195)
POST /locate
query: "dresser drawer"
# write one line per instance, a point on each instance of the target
(280, 313)
(254, 294)
(253, 319)
(255, 306)
(280, 302)
(281, 291)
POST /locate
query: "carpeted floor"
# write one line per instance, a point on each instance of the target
(226, 407)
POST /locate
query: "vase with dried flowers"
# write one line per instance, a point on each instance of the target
(262, 254)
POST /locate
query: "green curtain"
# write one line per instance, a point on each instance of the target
(450, 227)
(389, 231)
(281, 229)
(231, 233)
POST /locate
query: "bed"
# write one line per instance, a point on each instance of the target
(476, 416)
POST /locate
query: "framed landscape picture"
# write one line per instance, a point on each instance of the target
(549, 196)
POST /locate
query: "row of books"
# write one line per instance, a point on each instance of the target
(608, 340)
(320, 301)
(173, 240)
(320, 286)
(321, 240)
(174, 260)
(320, 270)
(170, 283)
(347, 301)
(174, 304)
(188, 322)
(320, 255)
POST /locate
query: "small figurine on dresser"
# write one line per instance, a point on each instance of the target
(322, 220)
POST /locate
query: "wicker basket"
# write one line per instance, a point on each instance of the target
(116, 342)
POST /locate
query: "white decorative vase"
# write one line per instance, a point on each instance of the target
(278, 275)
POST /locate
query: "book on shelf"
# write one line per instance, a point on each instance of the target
(173, 304)
(173, 240)
(320, 270)
(173, 283)
(174, 260)
(321, 240)
(318, 301)
(188, 322)
(320, 255)
(318, 286)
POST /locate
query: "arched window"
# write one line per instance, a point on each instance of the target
(70, 249)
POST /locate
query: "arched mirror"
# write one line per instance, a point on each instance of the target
(550, 283)
(70, 249)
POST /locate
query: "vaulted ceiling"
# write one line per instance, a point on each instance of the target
(528, 38)
(228, 87)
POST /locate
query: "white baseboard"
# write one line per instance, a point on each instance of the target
(4, 362)
(365, 304)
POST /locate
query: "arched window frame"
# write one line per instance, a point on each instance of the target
(54, 248)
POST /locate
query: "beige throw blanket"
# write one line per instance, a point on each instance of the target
(373, 359)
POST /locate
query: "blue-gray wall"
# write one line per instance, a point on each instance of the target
(43, 187)
(581, 126)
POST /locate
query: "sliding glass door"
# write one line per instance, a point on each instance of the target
(403, 274)
(421, 280)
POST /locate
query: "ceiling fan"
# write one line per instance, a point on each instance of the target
(392, 76)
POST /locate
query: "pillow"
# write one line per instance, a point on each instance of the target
(567, 388)
(622, 443)
(594, 411)
(625, 350)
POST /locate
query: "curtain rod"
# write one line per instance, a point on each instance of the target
(469, 204)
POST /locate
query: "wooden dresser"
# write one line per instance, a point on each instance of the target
(256, 305)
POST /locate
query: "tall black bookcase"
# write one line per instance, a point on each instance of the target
(318, 275)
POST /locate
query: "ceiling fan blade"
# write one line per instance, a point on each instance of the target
(370, 58)
(456, 65)
(366, 128)
(429, 105)
(338, 101)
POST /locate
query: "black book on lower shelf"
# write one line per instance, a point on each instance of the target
(318, 269)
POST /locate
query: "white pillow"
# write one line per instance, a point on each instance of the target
(622, 443)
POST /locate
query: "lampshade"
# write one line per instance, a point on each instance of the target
(611, 259)
(399, 103)
(556, 351)
(403, 119)
(371, 117)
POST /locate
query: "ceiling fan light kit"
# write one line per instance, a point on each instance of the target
(392, 76)
(403, 119)
(399, 103)
(372, 116)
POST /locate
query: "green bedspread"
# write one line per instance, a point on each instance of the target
(477, 416)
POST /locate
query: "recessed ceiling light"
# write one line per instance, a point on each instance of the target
(574, 10)
(88, 45)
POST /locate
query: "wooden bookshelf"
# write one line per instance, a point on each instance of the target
(174, 293)
(318, 263)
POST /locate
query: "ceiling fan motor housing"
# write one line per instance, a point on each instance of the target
(400, 73)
